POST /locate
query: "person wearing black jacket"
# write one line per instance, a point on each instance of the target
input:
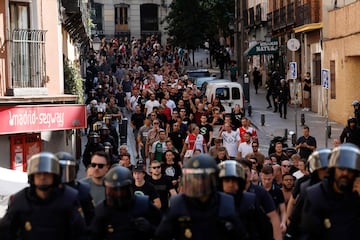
(284, 97)
(351, 133)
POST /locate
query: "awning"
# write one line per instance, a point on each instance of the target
(308, 27)
(263, 48)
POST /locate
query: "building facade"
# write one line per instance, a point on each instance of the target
(130, 18)
(35, 38)
(342, 58)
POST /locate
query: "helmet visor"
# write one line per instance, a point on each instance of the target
(68, 171)
(199, 182)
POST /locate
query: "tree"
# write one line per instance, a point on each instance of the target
(192, 22)
(186, 23)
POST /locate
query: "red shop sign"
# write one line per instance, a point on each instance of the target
(22, 119)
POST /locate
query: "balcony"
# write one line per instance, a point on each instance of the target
(306, 14)
(270, 19)
(246, 18)
(258, 14)
(252, 17)
(28, 65)
(290, 14)
(75, 19)
(282, 23)
(276, 16)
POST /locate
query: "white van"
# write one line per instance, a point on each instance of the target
(230, 93)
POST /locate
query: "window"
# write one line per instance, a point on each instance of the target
(19, 15)
(222, 93)
(97, 19)
(235, 92)
(121, 17)
(332, 80)
(27, 49)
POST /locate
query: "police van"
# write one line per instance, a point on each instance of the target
(229, 93)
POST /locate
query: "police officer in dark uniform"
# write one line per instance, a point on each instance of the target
(356, 105)
(69, 169)
(254, 219)
(43, 210)
(351, 133)
(332, 207)
(106, 137)
(123, 215)
(92, 146)
(200, 212)
(108, 149)
(318, 163)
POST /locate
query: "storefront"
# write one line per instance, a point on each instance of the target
(28, 129)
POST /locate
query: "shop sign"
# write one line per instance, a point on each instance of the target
(20, 119)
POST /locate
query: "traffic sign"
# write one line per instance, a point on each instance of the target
(325, 78)
(293, 70)
(293, 44)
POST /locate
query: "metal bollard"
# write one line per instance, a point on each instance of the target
(328, 129)
(123, 131)
(249, 110)
(262, 118)
(293, 139)
(302, 119)
(286, 132)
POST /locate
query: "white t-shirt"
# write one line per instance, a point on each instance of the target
(230, 142)
(245, 148)
(134, 102)
(149, 105)
(171, 104)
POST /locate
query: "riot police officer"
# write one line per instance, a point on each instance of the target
(123, 215)
(69, 169)
(332, 207)
(318, 166)
(200, 212)
(254, 219)
(92, 146)
(356, 105)
(106, 137)
(43, 210)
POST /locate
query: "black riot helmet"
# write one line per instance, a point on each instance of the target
(107, 120)
(118, 186)
(44, 162)
(69, 167)
(108, 148)
(346, 155)
(232, 169)
(94, 138)
(100, 114)
(319, 159)
(351, 120)
(200, 175)
(104, 131)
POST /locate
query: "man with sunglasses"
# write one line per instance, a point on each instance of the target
(99, 166)
(162, 184)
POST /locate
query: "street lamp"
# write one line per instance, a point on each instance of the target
(96, 43)
(268, 37)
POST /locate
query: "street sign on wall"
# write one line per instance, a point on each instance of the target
(293, 70)
(325, 78)
(293, 44)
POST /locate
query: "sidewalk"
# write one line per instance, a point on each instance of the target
(274, 125)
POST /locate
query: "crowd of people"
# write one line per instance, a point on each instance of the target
(197, 172)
